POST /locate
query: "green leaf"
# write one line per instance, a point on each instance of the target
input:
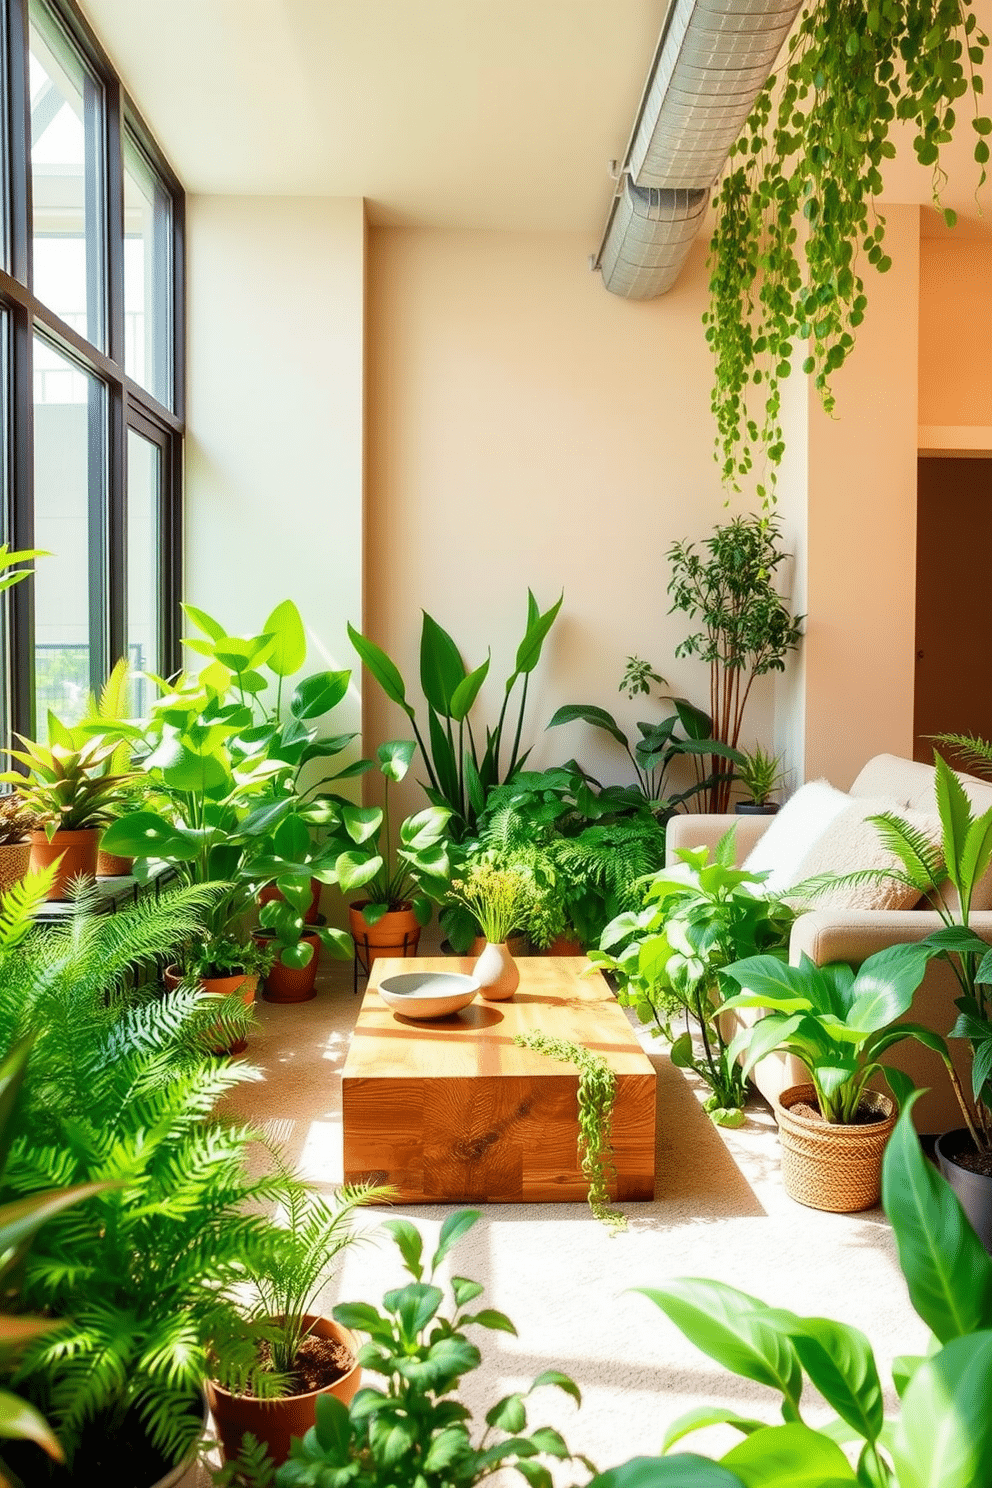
(394, 758)
(560, 1381)
(589, 713)
(465, 1291)
(317, 695)
(955, 817)
(683, 1470)
(205, 622)
(508, 1414)
(455, 1226)
(529, 650)
(289, 640)
(947, 1270)
(703, 1416)
(790, 1456)
(355, 870)
(145, 835)
(464, 696)
(382, 669)
(410, 1243)
(20, 1420)
(943, 1438)
(841, 1365)
(490, 1318)
(441, 667)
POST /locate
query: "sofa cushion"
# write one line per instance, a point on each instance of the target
(793, 831)
(850, 843)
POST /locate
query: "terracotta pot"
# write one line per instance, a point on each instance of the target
(313, 913)
(565, 945)
(225, 986)
(15, 860)
(276, 1422)
(112, 865)
(292, 983)
(497, 973)
(829, 1166)
(78, 851)
(396, 934)
(974, 1190)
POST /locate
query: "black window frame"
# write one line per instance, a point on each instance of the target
(128, 404)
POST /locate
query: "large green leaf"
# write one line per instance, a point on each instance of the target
(385, 671)
(955, 818)
(289, 639)
(947, 1270)
(394, 757)
(589, 713)
(977, 853)
(943, 1438)
(317, 695)
(790, 1456)
(841, 1365)
(206, 623)
(355, 870)
(454, 1227)
(733, 1329)
(188, 768)
(529, 650)
(683, 1470)
(464, 696)
(143, 834)
(441, 667)
(883, 989)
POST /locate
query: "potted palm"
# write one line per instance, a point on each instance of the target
(760, 773)
(401, 873)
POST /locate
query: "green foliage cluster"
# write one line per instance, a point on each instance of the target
(414, 1433)
(796, 214)
(596, 1098)
(669, 959)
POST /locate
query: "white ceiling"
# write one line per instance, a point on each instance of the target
(490, 114)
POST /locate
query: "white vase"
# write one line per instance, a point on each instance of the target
(496, 972)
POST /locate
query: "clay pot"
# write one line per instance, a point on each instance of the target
(78, 851)
(276, 1422)
(565, 945)
(496, 972)
(225, 986)
(396, 934)
(313, 913)
(112, 865)
(15, 861)
(292, 983)
(829, 1166)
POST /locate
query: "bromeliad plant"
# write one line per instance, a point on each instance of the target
(660, 744)
(670, 960)
(65, 784)
(460, 772)
(414, 1432)
(796, 214)
(942, 1434)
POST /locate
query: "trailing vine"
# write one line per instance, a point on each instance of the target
(597, 1094)
(796, 215)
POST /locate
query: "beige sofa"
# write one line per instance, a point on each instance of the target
(851, 935)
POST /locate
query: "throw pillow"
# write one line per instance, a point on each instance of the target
(792, 832)
(851, 843)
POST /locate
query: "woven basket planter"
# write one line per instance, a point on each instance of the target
(827, 1166)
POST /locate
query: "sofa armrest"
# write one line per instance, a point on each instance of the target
(694, 830)
(854, 934)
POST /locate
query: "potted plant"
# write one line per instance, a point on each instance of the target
(942, 1434)
(660, 743)
(499, 898)
(66, 786)
(16, 825)
(415, 1429)
(669, 960)
(838, 1023)
(290, 1354)
(746, 629)
(401, 877)
(760, 773)
(460, 774)
(118, 1090)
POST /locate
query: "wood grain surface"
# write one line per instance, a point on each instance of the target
(454, 1111)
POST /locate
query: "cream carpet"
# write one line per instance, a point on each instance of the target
(568, 1285)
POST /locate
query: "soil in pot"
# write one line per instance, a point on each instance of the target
(970, 1175)
(829, 1166)
(326, 1365)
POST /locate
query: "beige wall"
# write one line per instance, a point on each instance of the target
(528, 429)
(274, 454)
(955, 332)
(862, 532)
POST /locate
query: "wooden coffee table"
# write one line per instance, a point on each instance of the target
(454, 1111)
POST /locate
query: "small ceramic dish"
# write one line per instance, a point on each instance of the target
(428, 994)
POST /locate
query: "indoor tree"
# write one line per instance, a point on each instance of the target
(796, 210)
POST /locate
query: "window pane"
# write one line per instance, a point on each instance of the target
(67, 181)
(147, 276)
(70, 482)
(144, 490)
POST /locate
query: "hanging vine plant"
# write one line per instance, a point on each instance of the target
(796, 214)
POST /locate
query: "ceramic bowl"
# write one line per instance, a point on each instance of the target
(428, 994)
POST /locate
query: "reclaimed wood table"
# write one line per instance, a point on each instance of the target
(453, 1111)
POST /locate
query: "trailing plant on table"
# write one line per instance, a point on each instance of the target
(596, 1097)
(670, 958)
(747, 628)
(415, 1432)
(795, 212)
(460, 772)
(942, 1434)
(661, 744)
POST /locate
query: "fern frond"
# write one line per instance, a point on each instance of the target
(922, 859)
(974, 751)
(19, 904)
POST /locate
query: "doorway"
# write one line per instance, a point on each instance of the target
(953, 692)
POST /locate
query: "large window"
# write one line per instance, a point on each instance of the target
(91, 358)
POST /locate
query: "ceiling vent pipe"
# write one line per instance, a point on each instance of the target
(711, 63)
